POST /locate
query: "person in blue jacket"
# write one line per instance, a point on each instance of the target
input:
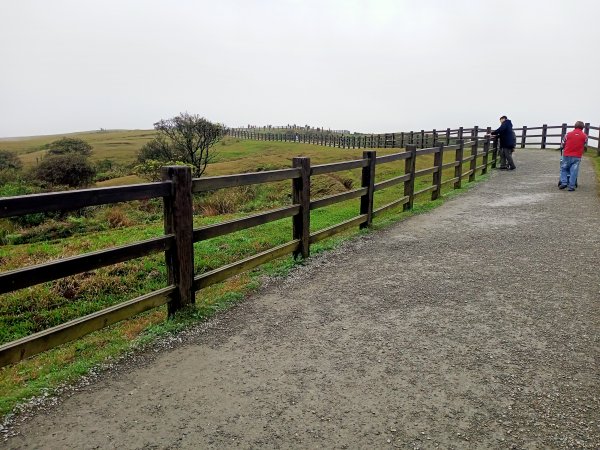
(507, 143)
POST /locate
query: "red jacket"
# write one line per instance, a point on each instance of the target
(574, 143)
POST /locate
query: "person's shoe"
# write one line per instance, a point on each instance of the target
(562, 186)
(571, 189)
(503, 168)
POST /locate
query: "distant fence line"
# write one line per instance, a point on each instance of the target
(526, 136)
(177, 244)
(291, 128)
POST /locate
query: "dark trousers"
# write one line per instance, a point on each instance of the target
(506, 159)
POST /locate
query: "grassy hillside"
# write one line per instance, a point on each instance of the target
(119, 146)
(232, 155)
(39, 307)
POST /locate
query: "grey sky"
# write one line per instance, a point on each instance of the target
(370, 66)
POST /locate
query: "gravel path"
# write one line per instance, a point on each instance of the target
(473, 326)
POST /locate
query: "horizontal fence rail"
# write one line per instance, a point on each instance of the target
(243, 179)
(69, 331)
(470, 150)
(29, 276)
(70, 200)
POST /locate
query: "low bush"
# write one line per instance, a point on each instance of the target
(67, 145)
(70, 169)
(9, 160)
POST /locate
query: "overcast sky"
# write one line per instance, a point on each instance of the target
(378, 65)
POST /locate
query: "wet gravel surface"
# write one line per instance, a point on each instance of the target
(473, 326)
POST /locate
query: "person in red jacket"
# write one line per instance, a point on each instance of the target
(573, 146)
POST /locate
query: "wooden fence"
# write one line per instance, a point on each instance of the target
(544, 136)
(177, 189)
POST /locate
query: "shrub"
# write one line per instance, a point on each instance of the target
(70, 170)
(67, 145)
(156, 150)
(9, 160)
(9, 176)
(107, 169)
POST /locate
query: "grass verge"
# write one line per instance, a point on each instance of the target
(592, 154)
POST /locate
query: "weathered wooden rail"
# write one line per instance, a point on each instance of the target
(177, 189)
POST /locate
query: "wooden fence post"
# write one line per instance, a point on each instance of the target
(460, 133)
(458, 168)
(409, 168)
(435, 138)
(422, 138)
(523, 136)
(438, 161)
(447, 136)
(412, 138)
(586, 130)
(563, 133)
(495, 153)
(473, 164)
(486, 151)
(178, 220)
(368, 181)
(301, 196)
(402, 139)
(544, 136)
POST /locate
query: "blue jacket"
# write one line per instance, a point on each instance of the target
(506, 134)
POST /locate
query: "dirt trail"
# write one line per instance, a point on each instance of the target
(488, 336)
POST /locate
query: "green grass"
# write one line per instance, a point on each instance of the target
(39, 307)
(592, 154)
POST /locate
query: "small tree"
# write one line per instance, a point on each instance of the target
(67, 145)
(70, 169)
(190, 137)
(9, 160)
